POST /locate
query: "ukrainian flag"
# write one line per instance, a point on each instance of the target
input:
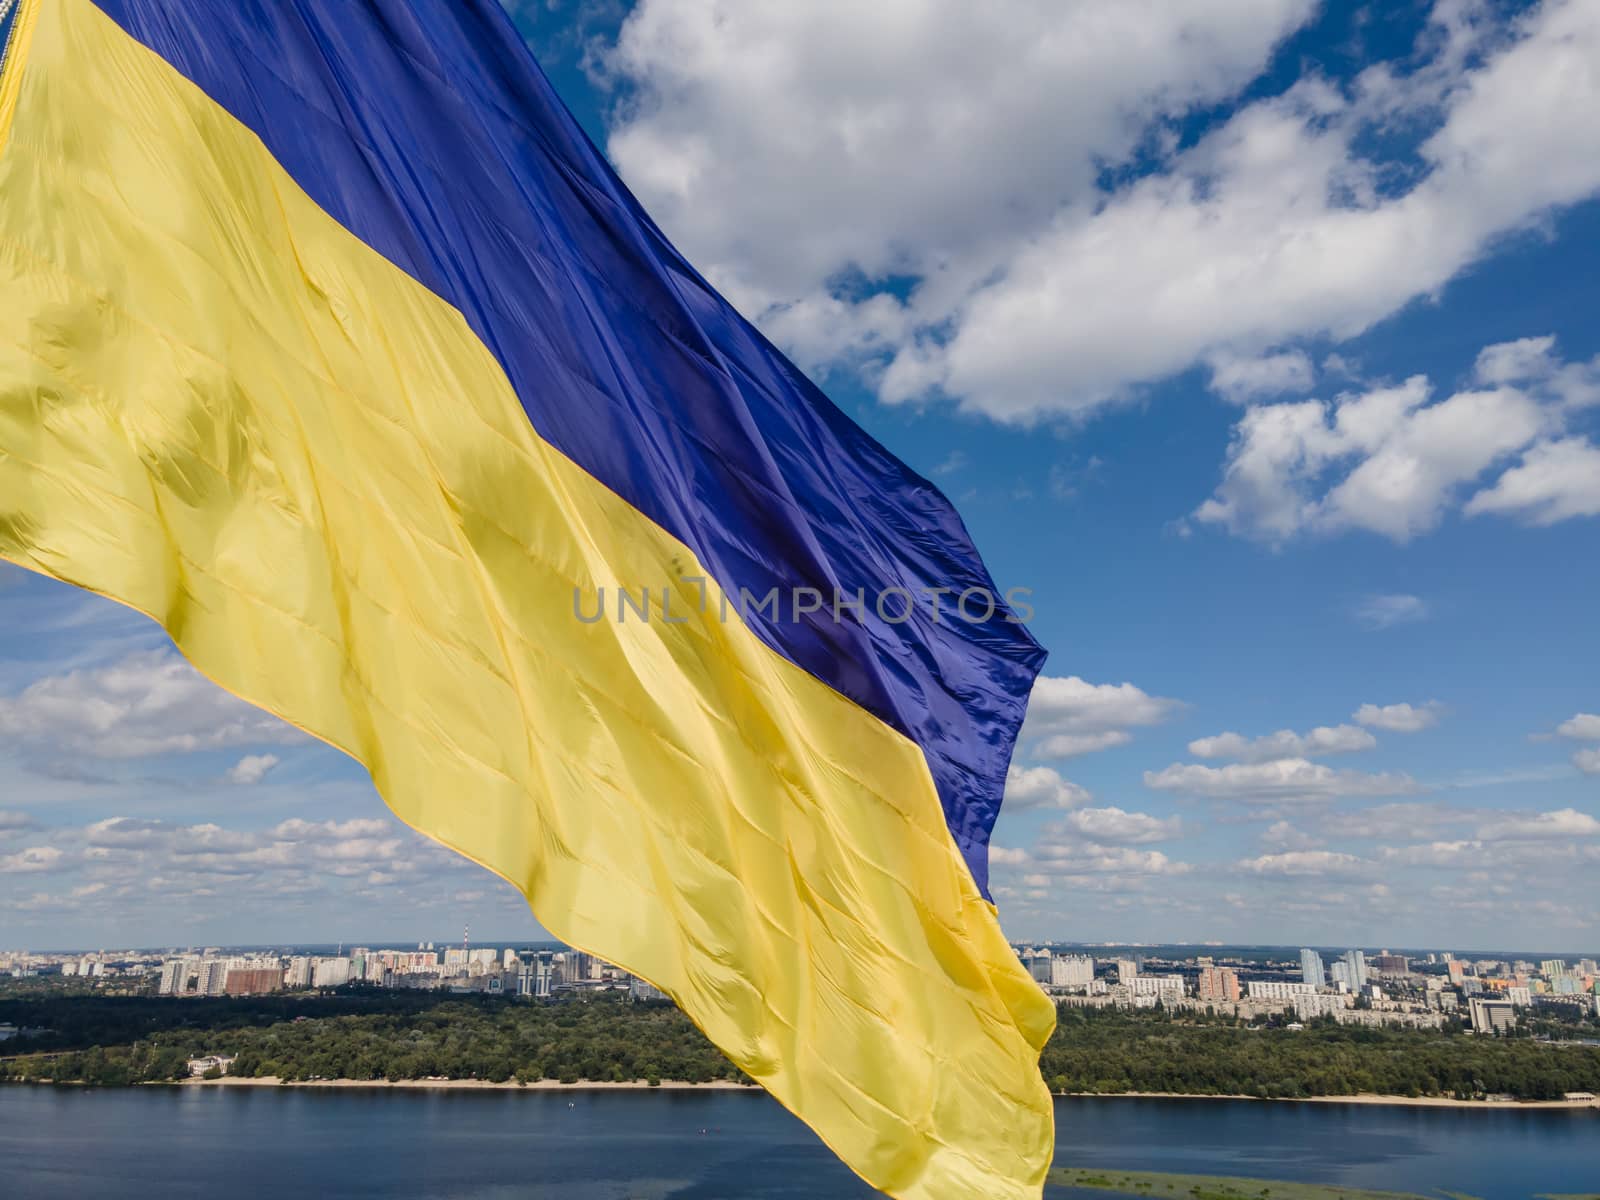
(329, 341)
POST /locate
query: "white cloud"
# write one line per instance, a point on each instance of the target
(1298, 863)
(1275, 227)
(1587, 761)
(1400, 718)
(1566, 823)
(146, 704)
(1070, 716)
(812, 158)
(1244, 379)
(1057, 856)
(1534, 361)
(1556, 481)
(1029, 788)
(1386, 461)
(783, 146)
(1116, 827)
(1386, 611)
(33, 860)
(1281, 835)
(252, 769)
(1583, 727)
(1323, 740)
(1281, 779)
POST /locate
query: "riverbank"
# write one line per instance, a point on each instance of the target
(542, 1085)
(551, 1085)
(1214, 1187)
(1390, 1101)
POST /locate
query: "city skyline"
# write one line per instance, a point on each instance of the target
(1313, 556)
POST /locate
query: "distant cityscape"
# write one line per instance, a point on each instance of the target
(1353, 987)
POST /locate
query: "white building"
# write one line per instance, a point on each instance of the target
(1320, 1004)
(174, 976)
(330, 972)
(1311, 969)
(1277, 989)
(1071, 970)
(1166, 988)
(1491, 1016)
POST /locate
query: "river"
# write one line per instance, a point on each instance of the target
(247, 1142)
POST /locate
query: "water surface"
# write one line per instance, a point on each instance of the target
(248, 1142)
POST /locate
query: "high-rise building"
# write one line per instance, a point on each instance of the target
(1127, 970)
(211, 977)
(1038, 964)
(1553, 968)
(1491, 1016)
(175, 976)
(1071, 970)
(1356, 961)
(1311, 969)
(299, 973)
(330, 972)
(1391, 964)
(251, 981)
(1218, 983)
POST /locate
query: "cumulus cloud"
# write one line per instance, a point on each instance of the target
(1287, 779)
(1395, 460)
(141, 868)
(883, 139)
(1321, 741)
(146, 704)
(1583, 727)
(1296, 863)
(1243, 379)
(1029, 788)
(1115, 827)
(33, 860)
(1070, 716)
(1555, 481)
(1566, 823)
(811, 176)
(1400, 718)
(1055, 855)
(1281, 835)
(252, 769)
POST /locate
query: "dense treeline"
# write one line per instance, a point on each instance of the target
(367, 1036)
(1103, 1050)
(372, 1035)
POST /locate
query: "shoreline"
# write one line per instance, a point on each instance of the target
(470, 1085)
(724, 1085)
(1369, 1098)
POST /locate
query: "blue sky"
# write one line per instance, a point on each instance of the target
(1256, 337)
